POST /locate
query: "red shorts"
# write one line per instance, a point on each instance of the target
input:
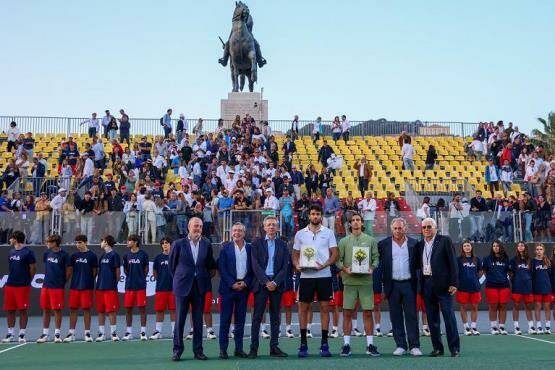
(107, 301)
(51, 299)
(337, 299)
(498, 295)
(526, 298)
(134, 298)
(82, 299)
(207, 302)
(164, 301)
(16, 297)
(250, 300)
(288, 298)
(543, 298)
(420, 306)
(468, 298)
(378, 298)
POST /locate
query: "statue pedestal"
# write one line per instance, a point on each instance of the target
(241, 103)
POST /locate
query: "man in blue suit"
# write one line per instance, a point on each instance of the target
(439, 270)
(192, 266)
(398, 260)
(234, 266)
(269, 263)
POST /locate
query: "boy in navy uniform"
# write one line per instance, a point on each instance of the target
(163, 299)
(84, 266)
(135, 264)
(107, 298)
(56, 273)
(22, 268)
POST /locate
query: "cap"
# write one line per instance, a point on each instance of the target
(109, 175)
(269, 190)
(156, 183)
(61, 190)
(123, 187)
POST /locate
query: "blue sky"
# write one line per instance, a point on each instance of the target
(404, 60)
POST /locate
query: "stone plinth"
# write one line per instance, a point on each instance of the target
(241, 103)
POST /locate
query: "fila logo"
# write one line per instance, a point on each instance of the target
(15, 258)
(164, 263)
(52, 259)
(81, 260)
(134, 260)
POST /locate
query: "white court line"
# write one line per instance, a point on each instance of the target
(14, 347)
(537, 339)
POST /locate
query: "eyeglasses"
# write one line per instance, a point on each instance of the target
(427, 227)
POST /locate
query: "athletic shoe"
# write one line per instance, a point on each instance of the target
(231, 334)
(346, 351)
(494, 331)
(57, 338)
(502, 331)
(378, 333)
(156, 335)
(211, 335)
(390, 333)
(189, 336)
(127, 336)
(334, 334)
(325, 350)
(475, 331)
(416, 352)
(303, 351)
(22, 339)
(372, 351)
(357, 333)
(143, 336)
(100, 337)
(69, 338)
(308, 334)
(467, 331)
(289, 334)
(426, 332)
(399, 351)
(88, 338)
(115, 337)
(539, 331)
(8, 338)
(531, 330)
(547, 330)
(518, 331)
(43, 338)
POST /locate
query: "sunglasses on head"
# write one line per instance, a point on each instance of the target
(427, 227)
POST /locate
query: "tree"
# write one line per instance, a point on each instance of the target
(546, 137)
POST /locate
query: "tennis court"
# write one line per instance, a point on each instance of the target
(492, 352)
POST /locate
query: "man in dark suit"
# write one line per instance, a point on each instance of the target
(269, 257)
(439, 279)
(192, 266)
(234, 266)
(289, 146)
(398, 260)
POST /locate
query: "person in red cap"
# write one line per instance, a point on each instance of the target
(157, 192)
(109, 184)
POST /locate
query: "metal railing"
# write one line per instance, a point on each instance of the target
(151, 126)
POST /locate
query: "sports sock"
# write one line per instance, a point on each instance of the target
(209, 330)
(377, 326)
(101, 329)
(143, 329)
(87, 332)
(369, 340)
(173, 325)
(72, 331)
(129, 330)
(538, 324)
(113, 328)
(308, 326)
(502, 326)
(21, 331)
(516, 324)
(45, 331)
(262, 327)
(231, 327)
(493, 324)
(288, 327)
(425, 327)
(530, 324)
(303, 336)
(159, 326)
(10, 331)
(473, 325)
(354, 323)
(547, 324)
(466, 326)
(324, 337)
(57, 331)
(347, 339)
(334, 328)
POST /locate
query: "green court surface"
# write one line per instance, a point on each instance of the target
(486, 352)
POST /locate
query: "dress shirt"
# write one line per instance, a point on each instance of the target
(400, 261)
(241, 261)
(271, 254)
(427, 252)
(194, 249)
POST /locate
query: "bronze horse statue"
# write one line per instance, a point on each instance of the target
(243, 49)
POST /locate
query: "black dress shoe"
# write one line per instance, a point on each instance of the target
(223, 355)
(436, 353)
(252, 354)
(276, 352)
(176, 357)
(240, 354)
(455, 354)
(200, 356)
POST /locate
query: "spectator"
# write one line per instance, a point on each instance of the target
(148, 208)
(286, 203)
(492, 177)
(181, 127)
(29, 144)
(324, 153)
(506, 177)
(345, 128)
(431, 157)
(364, 173)
(407, 152)
(124, 128)
(112, 129)
(504, 222)
(331, 207)
(528, 210)
(317, 130)
(336, 129)
(477, 211)
(58, 201)
(85, 207)
(455, 218)
(106, 122)
(424, 210)
(350, 207)
(198, 130)
(542, 219)
(391, 208)
(367, 208)
(13, 135)
(295, 127)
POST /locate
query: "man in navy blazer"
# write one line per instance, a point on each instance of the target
(234, 266)
(398, 261)
(439, 279)
(192, 266)
(269, 263)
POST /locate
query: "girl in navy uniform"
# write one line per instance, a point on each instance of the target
(496, 267)
(541, 282)
(521, 278)
(468, 294)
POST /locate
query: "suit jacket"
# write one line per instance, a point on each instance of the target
(386, 263)
(367, 170)
(289, 148)
(445, 271)
(259, 258)
(228, 271)
(184, 270)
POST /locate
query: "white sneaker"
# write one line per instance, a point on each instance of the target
(156, 335)
(356, 333)
(127, 336)
(475, 331)
(115, 337)
(69, 338)
(518, 331)
(189, 336)
(502, 331)
(494, 331)
(531, 330)
(539, 331)
(143, 336)
(88, 338)
(43, 338)
(308, 334)
(378, 333)
(416, 352)
(547, 330)
(399, 351)
(8, 338)
(334, 334)
(390, 333)
(467, 331)
(100, 338)
(57, 338)
(231, 334)
(426, 332)
(210, 335)
(289, 334)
